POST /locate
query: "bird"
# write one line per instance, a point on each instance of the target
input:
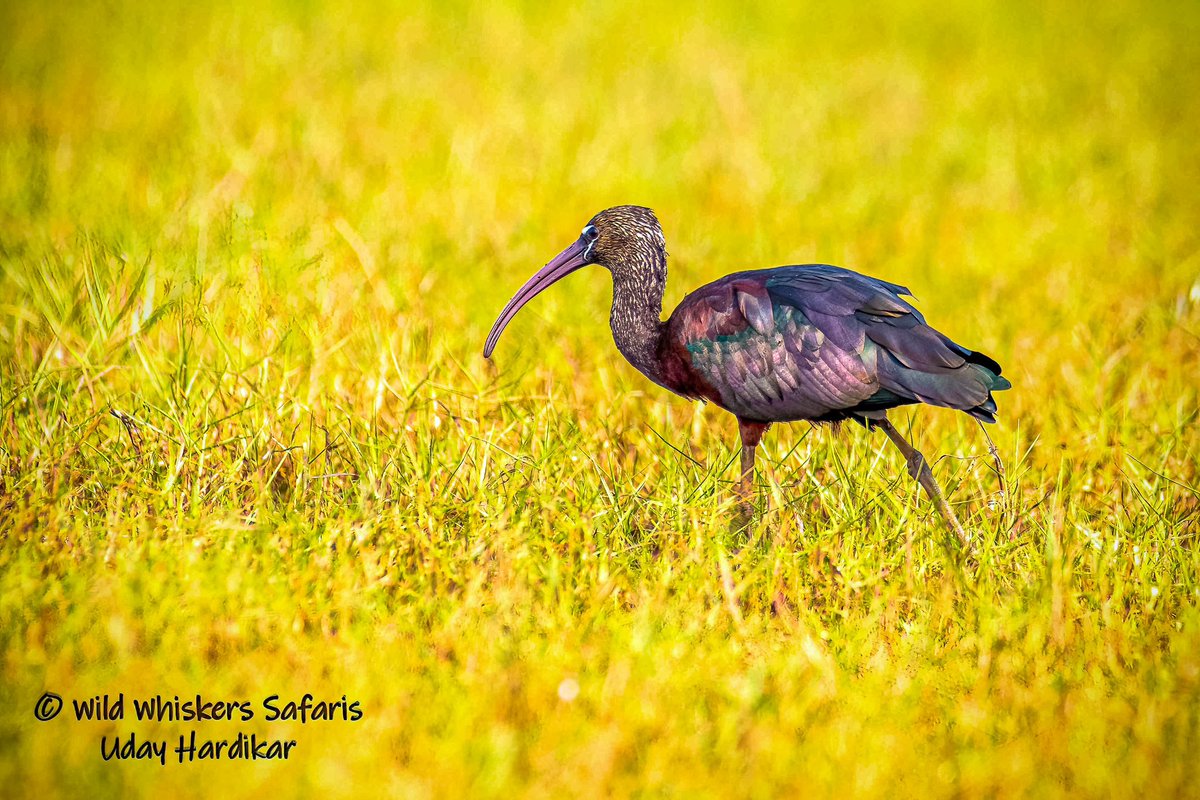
(807, 342)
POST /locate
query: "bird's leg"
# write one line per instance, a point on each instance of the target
(751, 435)
(919, 469)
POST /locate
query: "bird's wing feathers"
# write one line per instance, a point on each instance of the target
(913, 360)
(851, 307)
(755, 304)
(762, 358)
(817, 341)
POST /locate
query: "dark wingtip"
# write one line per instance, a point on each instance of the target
(983, 414)
(997, 383)
(985, 361)
(986, 411)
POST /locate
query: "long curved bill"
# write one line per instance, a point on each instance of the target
(559, 267)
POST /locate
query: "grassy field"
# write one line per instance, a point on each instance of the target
(249, 446)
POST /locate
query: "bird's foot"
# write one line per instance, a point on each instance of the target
(743, 516)
(919, 469)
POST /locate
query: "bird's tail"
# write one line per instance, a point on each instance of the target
(990, 372)
(967, 387)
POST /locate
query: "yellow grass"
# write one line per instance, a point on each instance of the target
(249, 447)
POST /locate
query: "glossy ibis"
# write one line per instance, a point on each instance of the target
(810, 342)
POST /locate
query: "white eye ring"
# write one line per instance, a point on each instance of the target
(590, 236)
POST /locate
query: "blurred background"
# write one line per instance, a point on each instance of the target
(1000, 156)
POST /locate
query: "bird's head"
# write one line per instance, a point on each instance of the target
(626, 240)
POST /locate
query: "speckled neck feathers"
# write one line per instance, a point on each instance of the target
(635, 317)
(630, 244)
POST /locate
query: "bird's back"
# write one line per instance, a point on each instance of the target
(822, 343)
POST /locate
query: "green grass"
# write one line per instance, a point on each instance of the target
(248, 445)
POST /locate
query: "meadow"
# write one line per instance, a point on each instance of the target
(249, 447)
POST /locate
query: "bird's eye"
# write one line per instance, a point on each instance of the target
(590, 233)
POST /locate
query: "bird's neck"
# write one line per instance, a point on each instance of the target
(636, 318)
